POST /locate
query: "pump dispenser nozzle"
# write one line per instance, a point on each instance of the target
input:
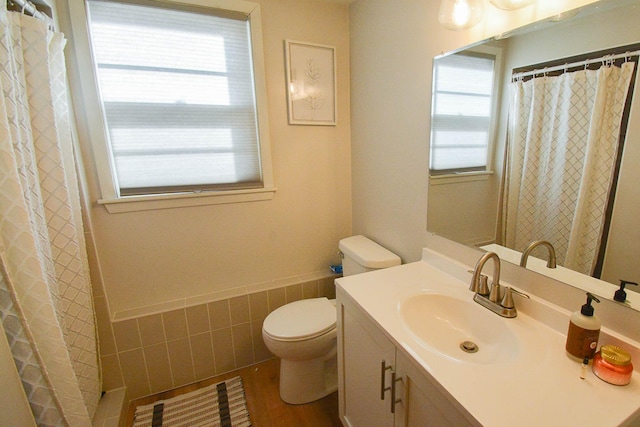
(621, 295)
(587, 309)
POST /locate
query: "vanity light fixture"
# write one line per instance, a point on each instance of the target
(512, 4)
(460, 14)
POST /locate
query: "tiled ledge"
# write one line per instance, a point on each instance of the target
(219, 295)
(112, 409)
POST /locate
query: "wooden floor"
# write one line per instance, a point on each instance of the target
(266, 409)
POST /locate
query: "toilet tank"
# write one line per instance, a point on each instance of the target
(361, 255)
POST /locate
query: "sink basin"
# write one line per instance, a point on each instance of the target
(459, 329)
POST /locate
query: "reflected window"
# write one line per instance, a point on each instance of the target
(462, 112)
(177, 93)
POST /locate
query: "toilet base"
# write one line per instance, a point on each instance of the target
(304, 381)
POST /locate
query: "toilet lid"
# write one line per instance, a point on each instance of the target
(301, 319)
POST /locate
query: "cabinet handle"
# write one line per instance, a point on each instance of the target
(383, 389)
(394, 381)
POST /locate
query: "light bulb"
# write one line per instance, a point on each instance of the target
(460, 14)
(511, 4)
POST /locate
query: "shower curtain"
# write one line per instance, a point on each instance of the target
(563, 136)
(45, 294)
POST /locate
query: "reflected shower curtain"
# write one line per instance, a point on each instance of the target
(45, 294)
(563, 136)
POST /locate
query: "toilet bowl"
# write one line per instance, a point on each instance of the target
(303, 333)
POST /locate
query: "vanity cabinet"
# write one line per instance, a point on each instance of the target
(364, 352)
(373, 373)
(423, 403)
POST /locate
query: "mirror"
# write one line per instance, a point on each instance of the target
(464, 207)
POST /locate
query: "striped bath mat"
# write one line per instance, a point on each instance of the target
(218, 405)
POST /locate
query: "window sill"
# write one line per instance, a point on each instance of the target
(182, 200)
(457, 178)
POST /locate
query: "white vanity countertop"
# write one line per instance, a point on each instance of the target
(540, 387)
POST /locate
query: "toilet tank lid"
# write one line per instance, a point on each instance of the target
(368, 253)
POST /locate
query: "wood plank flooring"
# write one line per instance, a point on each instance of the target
(266, 409)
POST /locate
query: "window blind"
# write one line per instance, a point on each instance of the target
(178, 97)
(462, 106)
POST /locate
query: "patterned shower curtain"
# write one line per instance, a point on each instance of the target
(45, 294)
(563, 136)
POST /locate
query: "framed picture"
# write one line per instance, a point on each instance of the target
(311, 83)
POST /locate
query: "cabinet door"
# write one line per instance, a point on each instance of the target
(365, 348)
(423, 403)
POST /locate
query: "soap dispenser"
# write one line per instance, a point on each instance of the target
(584, 331)
(621, 295)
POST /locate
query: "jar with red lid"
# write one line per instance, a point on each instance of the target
(613, 365)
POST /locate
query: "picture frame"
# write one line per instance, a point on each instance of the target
(311, 83)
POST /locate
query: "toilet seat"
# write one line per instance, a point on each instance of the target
(301, 320)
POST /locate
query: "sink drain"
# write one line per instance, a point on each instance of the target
(469, 347)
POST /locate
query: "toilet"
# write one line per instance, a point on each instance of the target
(303, 333)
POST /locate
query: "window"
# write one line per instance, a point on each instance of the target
(182, 99)
(463, 110)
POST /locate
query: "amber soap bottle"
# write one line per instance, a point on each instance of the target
(584, 331)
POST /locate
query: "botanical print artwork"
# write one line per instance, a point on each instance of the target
(312, 80)
(311, 84)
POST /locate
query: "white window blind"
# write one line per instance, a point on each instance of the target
(462, 108)
(178, 97)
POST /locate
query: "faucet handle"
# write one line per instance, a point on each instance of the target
(507, 300)
(483, 287)
(473, 286)
(494, 295)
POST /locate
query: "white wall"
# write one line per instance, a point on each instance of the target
(159, 257)
(465, 210)
(390, 122)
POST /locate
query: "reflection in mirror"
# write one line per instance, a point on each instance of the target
(564, 132)
(468, 206)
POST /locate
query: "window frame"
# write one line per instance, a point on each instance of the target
(97, 132)
(474, 174)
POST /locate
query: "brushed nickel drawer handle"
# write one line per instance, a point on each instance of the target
(394, 381)
(383, 370)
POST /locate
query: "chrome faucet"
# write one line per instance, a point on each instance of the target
(551, 263)
(492, 299)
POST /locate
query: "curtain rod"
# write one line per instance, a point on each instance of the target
(604, 59)
(30, 9)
